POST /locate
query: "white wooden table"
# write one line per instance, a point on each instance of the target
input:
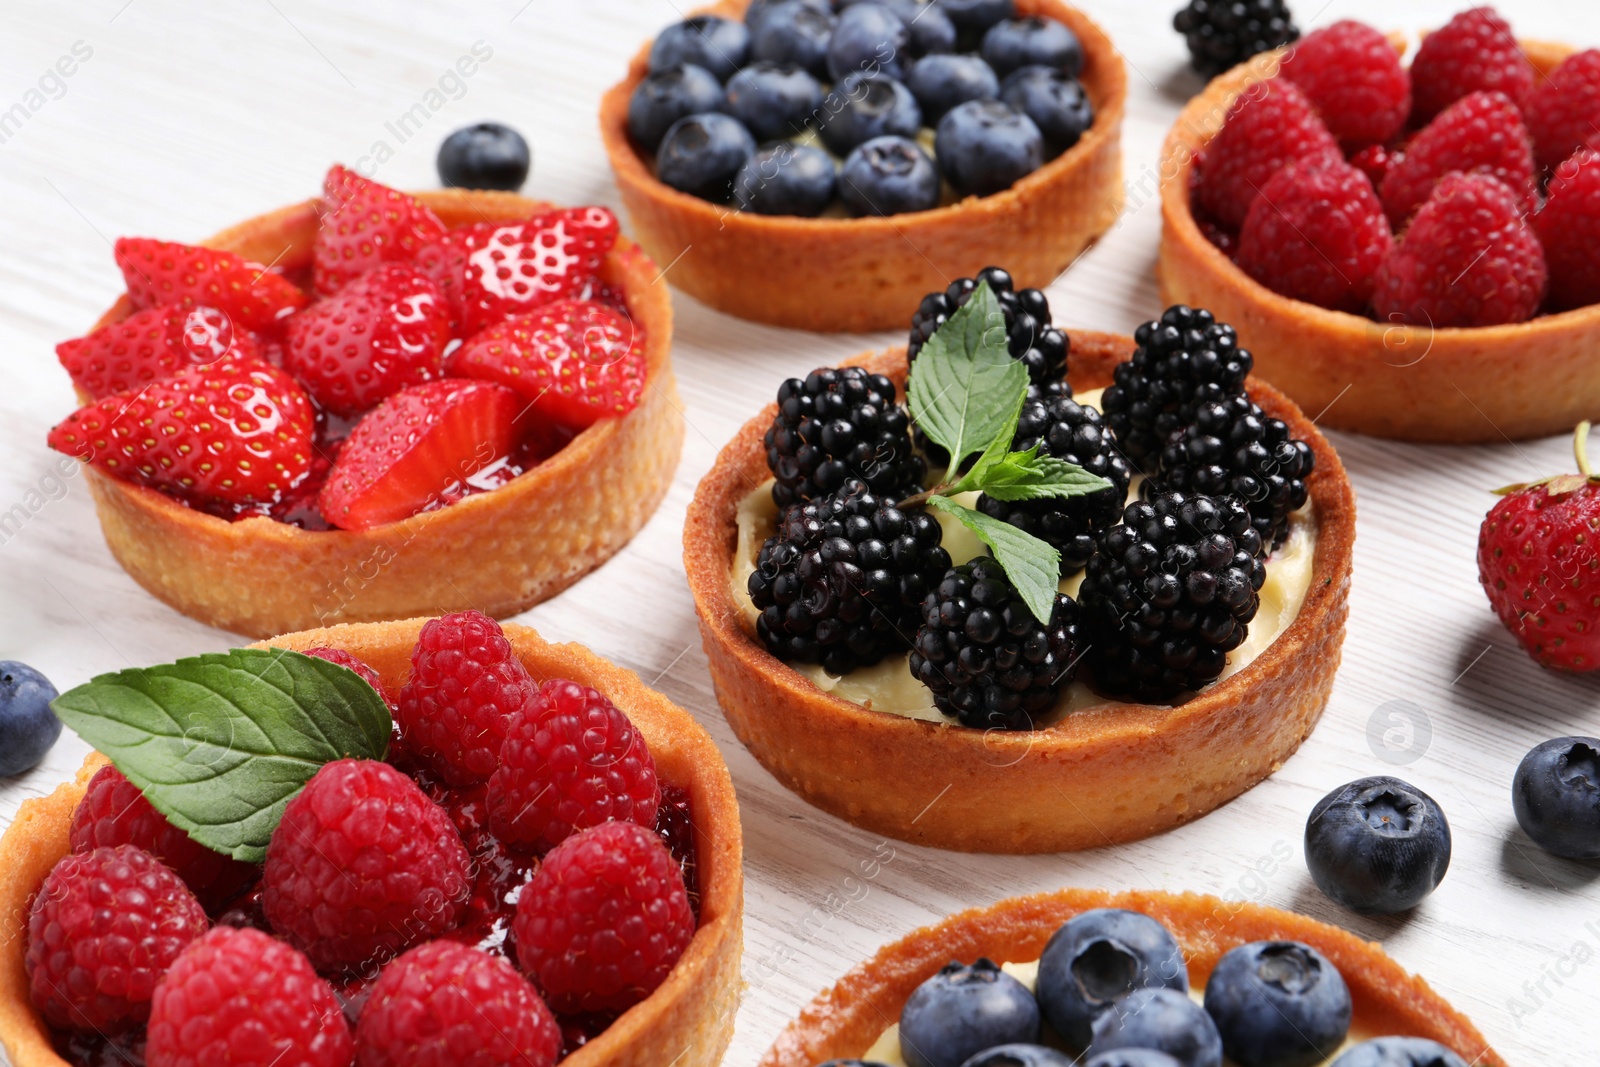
(184, 118)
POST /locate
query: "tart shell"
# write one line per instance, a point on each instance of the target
(833, 274)
(1493, 383)
(688, 1020)
(500, 552)
(847, 1019)
(1110, 773)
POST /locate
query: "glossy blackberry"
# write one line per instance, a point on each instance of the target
(1183, 359)
(842, 581)
(1224, 33)
(1029, 335)
(1076, 434)
(988, 661)
(837, 424)
(1169, 593)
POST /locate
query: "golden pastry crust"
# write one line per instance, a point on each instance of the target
(847, 1019)
(687, 1021)
(500, 552)
(1111, 773)
(1457, 385)
(862, 274)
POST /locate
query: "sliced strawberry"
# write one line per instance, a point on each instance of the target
(365, 224)
(444, 259)
(237, 432)
(518, 268)
(413, 451)
(150, 345)
(577, 361)
(166, 273)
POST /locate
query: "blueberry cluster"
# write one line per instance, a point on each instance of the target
(809, 103)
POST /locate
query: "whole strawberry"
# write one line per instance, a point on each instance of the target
(150, 345)
(364, 225)
(1270, 124)
(1569, 229)
(169, 274)
(1474, 51)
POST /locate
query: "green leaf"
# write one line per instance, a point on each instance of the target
(972, 481)
(1031, 476)
(964, 385)
(1033, 566)
(221, 743)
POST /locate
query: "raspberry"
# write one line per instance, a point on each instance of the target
(104, 928)
(1469, 259)
(448, 1005)
(604, 920)
(114, 812)
(1482, 133)
(465, 684)
(1270, 124)
(1475, 51)
(1563, 112)
(1374, 161)
(1569, 229)
(363, 866)
(1352, 75)
(239, 998)
(368, 675)
(571, 760)
(1316, 233)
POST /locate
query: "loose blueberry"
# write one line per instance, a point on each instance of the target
(1400, 1052)
(719, 45)
(28, 728)
(665, 97)
(1016, 43)
(701, 155)
(888, 176)
(786, 179)
(1133, 1057)
(1278, 1004)
(1161, 1019)
(773, 99)
(1096, 960)
(972, 18)
(794, 31)
(1054, 100)
(930, 28)
(1377, 846)
(1556, 795)
(861, 108)
(940, 82)
(962, 1011)
(1020, 1056)
(869, 39)
(484, 156)
(985, 146)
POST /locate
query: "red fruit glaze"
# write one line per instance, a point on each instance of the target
(1269, 125)
(1352, 75)
(166, 273)
(1475, 51)
(364, 225)
(1564, 109)
(1569, 229)
(1482, 133)
(150, 345)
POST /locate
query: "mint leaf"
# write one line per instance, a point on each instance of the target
(1032, 476)
(1033, 566)
(220, 743)
(964, 385)
(996, 452)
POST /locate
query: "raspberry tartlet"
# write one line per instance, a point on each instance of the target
(838, 273)
(387, 886)
(472, 411)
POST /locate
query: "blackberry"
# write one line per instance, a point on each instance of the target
(988, 661)
(1169, 593)
(842, 581)
(837, 424)
(1221, 34)
(1041, 347)
(1071, 432)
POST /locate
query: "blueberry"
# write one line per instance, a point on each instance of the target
(869, 39)
(1132, 1057)
(794, 31)
(1278, 1004)
(962, 1011)
(720, 45)
(888, 176)
(1161, 1019)
(28, 728)
(665, 97)
(1556, 795)
(984, 146)
(861, 108)
(786, 179)
(1098, 958)
(930, 28)
(940, 82)
(755, 16)
(1017, 43)
(972, 18)
(484, 156)
(1400, 1052)
(1020, 1056)
(701, 154)
(773, 99)
(1377, 846)
(1054, 100)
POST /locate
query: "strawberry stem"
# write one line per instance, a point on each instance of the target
(1580, 448)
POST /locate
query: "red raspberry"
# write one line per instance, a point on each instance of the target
(239, 998)
(104, 928)
(1569, 229)
(1469, 259)
(368, 675)
(114, 812)
(571, 760)
(1375, 160)
(1475, 51)
(603, 921)
(362, 867)
(1352, 75)
(449, 1005)
(1270, 124)
(1482, 133)
(466, 683)
(1316, 233)
(1564, 110)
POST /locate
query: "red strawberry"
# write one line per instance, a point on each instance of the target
(1352, 74)
(365, 224)
(1475, 51)
(165, 273)
(1569, 229)
(1270, 124)
(236, 432)
(382, 332)
(576, 361)
(518, 268)
(1564, 109)
(1482, 133)
(150, 345)
(414, 450)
